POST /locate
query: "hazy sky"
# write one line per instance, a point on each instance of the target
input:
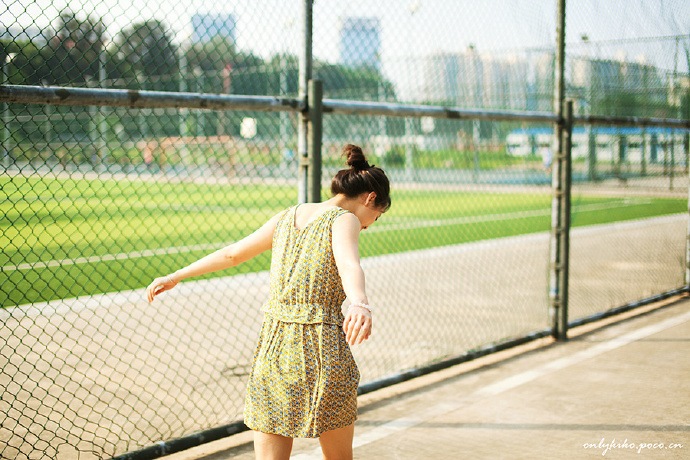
(408, 27)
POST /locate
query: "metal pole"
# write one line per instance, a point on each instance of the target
(103, 124)
(5, 131)
(305, 71)
(566, 181)
(315, 137)
(591, 139)
(409, 148)
(91, 81)
(687, 233)
(557, 228)
(47, 126)
(282, 91)
(202, 114)
(643, 153)
(673, 161)
(686, 149)
(620, 156)
(184, 112)
(591, 153)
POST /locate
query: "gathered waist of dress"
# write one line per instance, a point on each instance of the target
(303, 313)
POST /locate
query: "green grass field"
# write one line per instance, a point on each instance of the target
(71, 237)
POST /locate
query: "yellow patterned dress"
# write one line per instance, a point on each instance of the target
(304, 379)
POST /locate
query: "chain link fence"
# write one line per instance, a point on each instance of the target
(640, 70)
(99, 198)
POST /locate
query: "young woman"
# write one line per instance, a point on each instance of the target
(303, 381)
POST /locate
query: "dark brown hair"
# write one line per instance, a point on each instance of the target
(361, 177)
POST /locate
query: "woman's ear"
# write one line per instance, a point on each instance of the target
(370, 199)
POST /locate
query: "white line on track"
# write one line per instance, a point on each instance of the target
(108, 202)
(501, 217)
(111, 257)
(404, 423)
(380, 228)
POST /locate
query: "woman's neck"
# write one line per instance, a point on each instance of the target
(342, 201)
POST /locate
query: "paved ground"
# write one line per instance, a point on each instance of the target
(617, 389)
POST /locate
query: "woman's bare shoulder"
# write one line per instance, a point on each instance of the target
(346, 221)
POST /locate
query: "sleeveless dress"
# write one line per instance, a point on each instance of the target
(304, 379)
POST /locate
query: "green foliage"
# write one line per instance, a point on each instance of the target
(628, 104)
(143, 56)
(394, 157)
(147, 49)
(124, 156)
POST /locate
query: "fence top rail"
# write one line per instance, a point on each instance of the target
(632, 121)
(71, 96)
(401, 110)
(57, 95)
(453, 113)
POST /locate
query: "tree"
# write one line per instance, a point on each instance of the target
(71, 56)
(358, 83)
(147, 51)
(212, 55)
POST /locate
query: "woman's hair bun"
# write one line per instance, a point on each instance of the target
(355, 157)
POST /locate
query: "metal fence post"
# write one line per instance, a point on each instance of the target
(643, 154)
(557, 229)
(686, 151)
(183, 113)
(564, 236)
(687, 236)
(315, 99)
(305, 72)
(5, 108)
(591, 153)
(102, 146)
(672, 149)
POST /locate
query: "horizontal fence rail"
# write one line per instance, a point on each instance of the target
(641, 122)
(452, 113)
(70, 96)
(139, 99)
(73, 96)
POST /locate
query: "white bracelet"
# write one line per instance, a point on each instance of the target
(361, 304)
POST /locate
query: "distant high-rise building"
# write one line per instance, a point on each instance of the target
(470, 79)
(205, 27)
(602, 81)
(360, 42)
(473, 80)
(440, 77)
(541, 78)
(506, 83)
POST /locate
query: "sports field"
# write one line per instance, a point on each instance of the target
(71, 237)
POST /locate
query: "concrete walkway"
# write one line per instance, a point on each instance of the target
(617, 389)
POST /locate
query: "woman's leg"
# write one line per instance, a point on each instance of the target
(271, 446)
(337, 444)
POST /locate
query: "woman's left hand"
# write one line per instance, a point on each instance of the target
(357, 325)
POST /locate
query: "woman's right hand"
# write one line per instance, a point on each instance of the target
(357, 325)
(162, 284)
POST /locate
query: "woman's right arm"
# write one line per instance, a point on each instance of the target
(229, 256)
